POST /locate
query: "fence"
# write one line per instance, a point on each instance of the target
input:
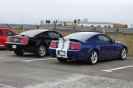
(68, 28)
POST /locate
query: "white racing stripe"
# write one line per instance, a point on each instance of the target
(62, 47)
(37, 60)
(59, 47)
(111, 70)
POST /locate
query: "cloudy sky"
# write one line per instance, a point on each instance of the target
(32, 11)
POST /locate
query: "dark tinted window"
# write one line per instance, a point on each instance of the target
(94, 39)
(9, 33)
(42, 35)
(54, 35)
(1, 33)
(82, 36)
(104, 38)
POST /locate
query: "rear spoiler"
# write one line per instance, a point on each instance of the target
(63, 39)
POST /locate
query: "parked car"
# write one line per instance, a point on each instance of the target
(87, 46)
(33, 41)
(4, 33)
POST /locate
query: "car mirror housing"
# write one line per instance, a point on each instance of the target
(113, 41)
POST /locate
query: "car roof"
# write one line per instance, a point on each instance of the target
(92, 33)
(82, 36)
(34, 32)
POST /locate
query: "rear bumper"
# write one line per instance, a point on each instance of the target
(20, 47)
(71, 54)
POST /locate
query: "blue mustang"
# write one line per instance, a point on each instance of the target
(87, 46)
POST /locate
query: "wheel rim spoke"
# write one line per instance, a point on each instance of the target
(94, 57)
(41, 50)
(123, 54)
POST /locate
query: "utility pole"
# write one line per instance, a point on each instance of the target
(22, 22)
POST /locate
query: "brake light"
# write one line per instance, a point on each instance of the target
(24, 40)
(75, 46)
(53, 44)
(8, 39)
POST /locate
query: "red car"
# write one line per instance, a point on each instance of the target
(4, 32)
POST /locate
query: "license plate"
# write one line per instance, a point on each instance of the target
(14, 46)
(61, 53)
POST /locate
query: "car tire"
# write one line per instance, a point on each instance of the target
(19, 52)
(93, 58)
(40, 51)
(123, 54)
(61, 59)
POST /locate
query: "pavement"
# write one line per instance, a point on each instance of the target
(28, 71)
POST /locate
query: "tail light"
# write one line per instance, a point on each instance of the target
(53, 44)
(24, 40)
(8, 39)
(75, 46)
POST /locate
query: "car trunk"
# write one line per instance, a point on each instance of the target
(65, 45)
(16, 39)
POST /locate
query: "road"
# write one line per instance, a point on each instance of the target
(28, 71)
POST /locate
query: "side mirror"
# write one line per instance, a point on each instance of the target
(113, 41)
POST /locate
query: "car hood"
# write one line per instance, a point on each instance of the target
(120, 43)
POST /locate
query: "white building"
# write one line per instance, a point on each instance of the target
(96, 24)
(92, 24)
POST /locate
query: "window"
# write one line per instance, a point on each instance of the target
(104, 38)
(9, 33)
(94, 39)
(54, 35)
(42, 35)
(1, 33)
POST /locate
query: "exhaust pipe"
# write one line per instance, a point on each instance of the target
(73, 59)
(51, 55)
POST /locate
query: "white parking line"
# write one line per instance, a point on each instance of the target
(111, 70)
(37, 59)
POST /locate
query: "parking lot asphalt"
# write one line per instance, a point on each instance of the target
(28, 71)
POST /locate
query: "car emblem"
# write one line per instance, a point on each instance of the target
(15, 39)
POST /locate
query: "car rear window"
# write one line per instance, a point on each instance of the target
(32, 33)
(1, 33)
(82, 36)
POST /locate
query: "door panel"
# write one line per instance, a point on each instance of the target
(2, 39)
(108, 48)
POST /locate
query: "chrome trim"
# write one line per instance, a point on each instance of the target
(15, 43)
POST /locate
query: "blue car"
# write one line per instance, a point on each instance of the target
(87, 46)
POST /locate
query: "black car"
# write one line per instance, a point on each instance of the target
(34, 41)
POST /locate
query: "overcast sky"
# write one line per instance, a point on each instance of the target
(32, 11)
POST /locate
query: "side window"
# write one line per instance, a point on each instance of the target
(54, 35)
(104, 38)
(94, 39)
(1, 33)
(9, 33)
(42, 35)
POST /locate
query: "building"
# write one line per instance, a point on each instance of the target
(102, 24)
(93, 24)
